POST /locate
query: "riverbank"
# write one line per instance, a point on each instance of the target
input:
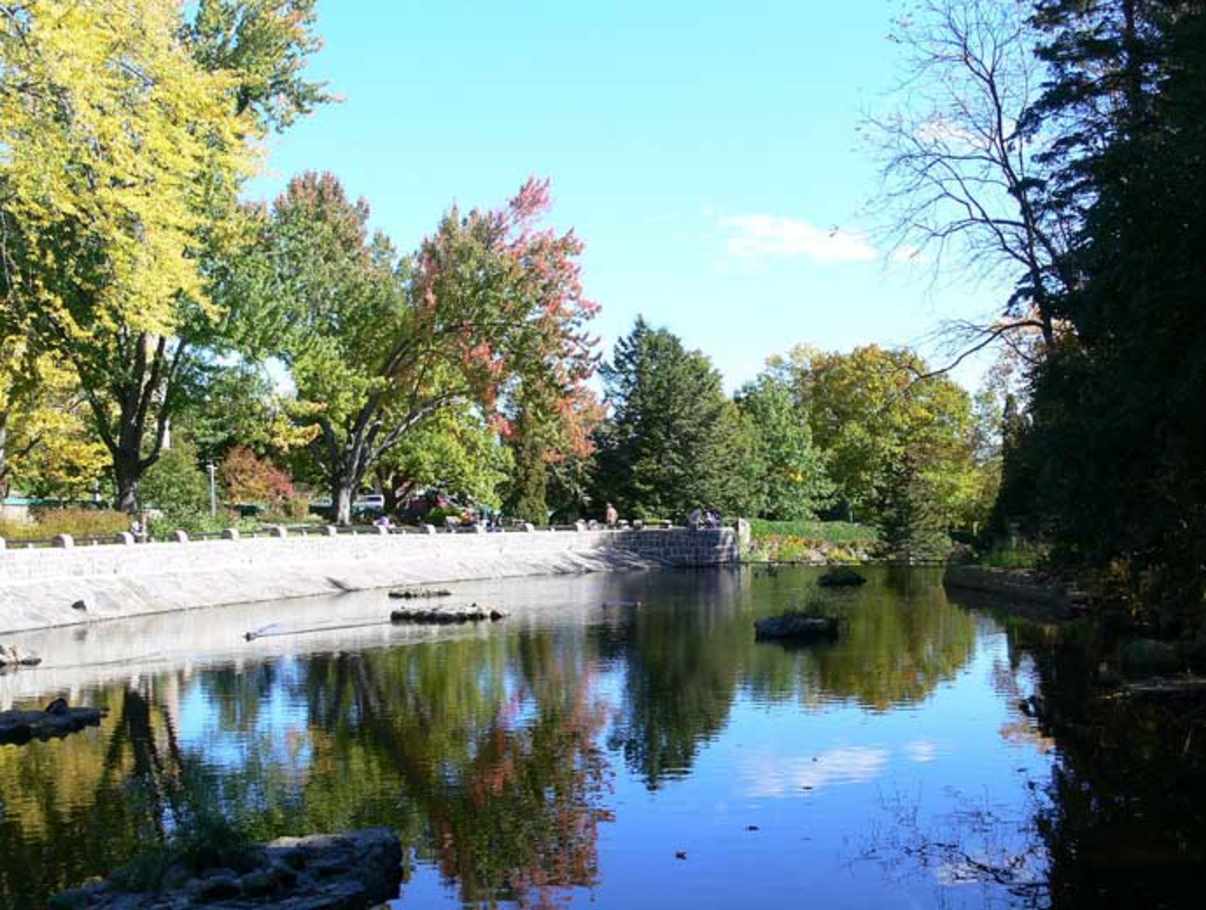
(1030, 593)
(45, 588)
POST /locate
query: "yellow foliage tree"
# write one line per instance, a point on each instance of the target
(126, 134)
(46, 445)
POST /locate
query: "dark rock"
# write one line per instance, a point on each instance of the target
(257, 884)
(473, 613)
(841, 577)
(417, 593)
(19, 727)
(216, 886)
(12, 656)
(352, 871)
(79, 605)
(796, 627)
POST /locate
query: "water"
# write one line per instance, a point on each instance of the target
(574, 755)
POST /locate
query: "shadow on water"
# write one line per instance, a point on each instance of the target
(501, 756)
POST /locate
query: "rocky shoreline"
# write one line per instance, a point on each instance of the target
(353, 871)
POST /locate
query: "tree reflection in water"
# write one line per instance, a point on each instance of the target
(490, 751)
(493, 745)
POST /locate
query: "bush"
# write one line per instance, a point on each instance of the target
(247, 478)
(176, 483)
(74, 521)
(1020, 555)
(437, 515)
(197, 521)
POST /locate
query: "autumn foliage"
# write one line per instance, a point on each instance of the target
(250, 479)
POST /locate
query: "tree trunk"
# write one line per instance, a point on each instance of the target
(342, 491)
(3, 452)
(127, 472)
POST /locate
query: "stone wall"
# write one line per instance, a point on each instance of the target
(41, 588)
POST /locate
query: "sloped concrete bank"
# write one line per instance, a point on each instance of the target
(77, 585)
(1053, 599)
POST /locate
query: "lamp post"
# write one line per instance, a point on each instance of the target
(213, 496)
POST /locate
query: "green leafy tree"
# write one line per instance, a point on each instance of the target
(455, 452)
(868, 407)
(789, 477)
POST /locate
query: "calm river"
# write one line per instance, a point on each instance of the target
(576, 754)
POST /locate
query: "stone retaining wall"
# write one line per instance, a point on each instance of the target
(40, 588)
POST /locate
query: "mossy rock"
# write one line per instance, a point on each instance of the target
(841, 577)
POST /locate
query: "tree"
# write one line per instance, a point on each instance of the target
(789, 473)
(127, 139)
(376, 346)
(552, 446)
(528, 500)
(46, 448)
(964, 167)
(249, 479)
(1115, 434)
(455, 451)
(674, 442)
(911, 524)
(867, 408)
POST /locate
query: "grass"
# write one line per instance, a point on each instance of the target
(1021, 555)
(834, 532)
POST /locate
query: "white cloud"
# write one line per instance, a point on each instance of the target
(773, 235)
(921, 750)
(769, 775)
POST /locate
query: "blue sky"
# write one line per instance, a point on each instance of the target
(705, 151)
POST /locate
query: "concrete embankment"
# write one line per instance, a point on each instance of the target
(77, 585)
(1054, 599)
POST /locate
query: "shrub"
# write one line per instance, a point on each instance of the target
(1020, 555)
(77, 522)
(197, 521)
(247, 478)
(176, 483)
(437, 515)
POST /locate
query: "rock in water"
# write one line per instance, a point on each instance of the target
(79, 605)
(12, 656)
(19, 727)
(795, 627)
(841, 577)
(353, 871)
(417, 593)
(472, 613)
